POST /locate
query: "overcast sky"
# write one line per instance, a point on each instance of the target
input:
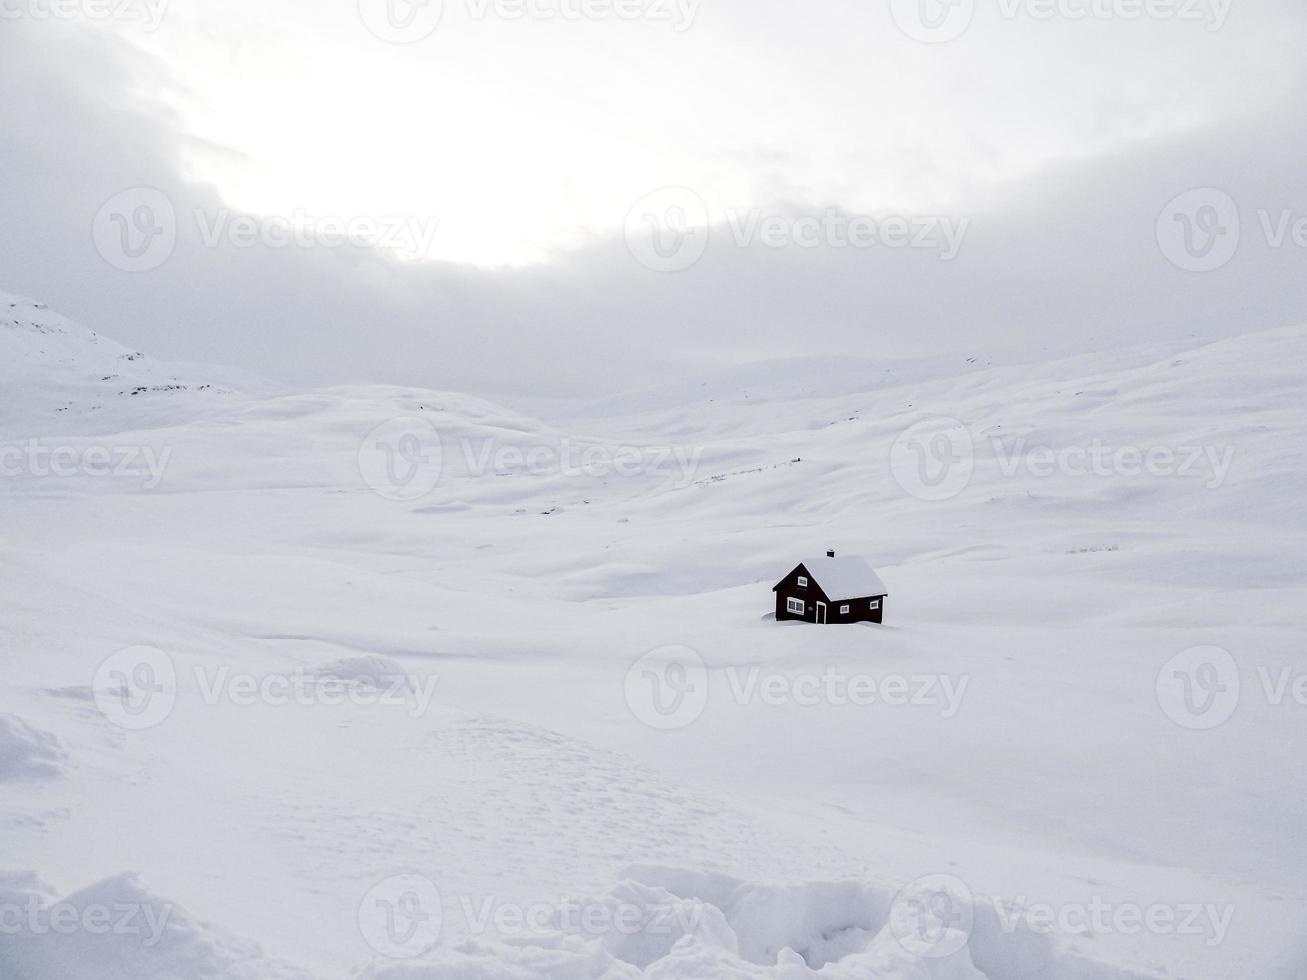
(554, 196)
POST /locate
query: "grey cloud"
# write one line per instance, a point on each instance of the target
(1066, 260)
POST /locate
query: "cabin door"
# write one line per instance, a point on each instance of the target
(821, 612)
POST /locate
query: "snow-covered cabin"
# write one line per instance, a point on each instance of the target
(831, 590)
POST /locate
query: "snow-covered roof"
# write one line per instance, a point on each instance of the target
(846, 577)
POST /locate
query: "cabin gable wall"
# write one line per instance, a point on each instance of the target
(811, 594)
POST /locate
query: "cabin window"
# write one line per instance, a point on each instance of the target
(803, 581)
(875, 604)
(844, 610)
(795, 606)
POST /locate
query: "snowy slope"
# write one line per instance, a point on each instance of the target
(55, 366)
(516, 772)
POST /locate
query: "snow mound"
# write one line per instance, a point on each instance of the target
(699, 925)
(559, 958)
(847, 930)
(27, 752)
(116, 930)
(665, 921)
(370, 671)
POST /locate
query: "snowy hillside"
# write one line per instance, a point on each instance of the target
(56, 366)
(404, 685)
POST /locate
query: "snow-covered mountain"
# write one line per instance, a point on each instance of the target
(54, 366)
(1021, 790)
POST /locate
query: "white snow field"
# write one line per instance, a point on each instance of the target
(271, 710)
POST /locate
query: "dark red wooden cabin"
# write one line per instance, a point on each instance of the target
(831, 590)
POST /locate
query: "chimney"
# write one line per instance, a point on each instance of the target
(830, 554)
